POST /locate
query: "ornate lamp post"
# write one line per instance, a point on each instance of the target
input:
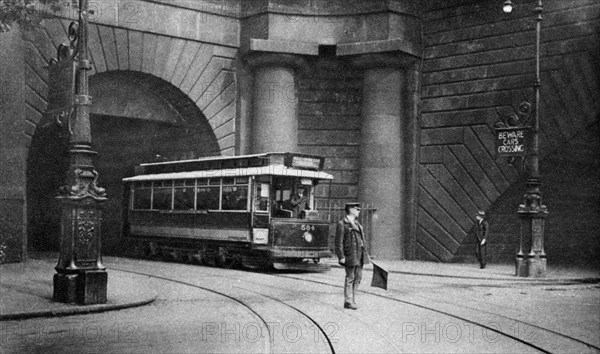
(80, 276)
(532, 212)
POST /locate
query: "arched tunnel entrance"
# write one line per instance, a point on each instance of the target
(135, 118)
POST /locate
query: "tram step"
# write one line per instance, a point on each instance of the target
(306, 266)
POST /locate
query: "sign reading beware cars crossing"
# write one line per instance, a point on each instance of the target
(512, 141)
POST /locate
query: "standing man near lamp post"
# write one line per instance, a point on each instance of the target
(482, 233)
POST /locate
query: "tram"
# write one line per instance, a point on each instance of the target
(254, 211)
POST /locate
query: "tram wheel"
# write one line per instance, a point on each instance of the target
(196, 257)
(151, 251)
(228, 261)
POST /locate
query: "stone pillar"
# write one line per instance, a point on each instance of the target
(13, 147)
(275, 102)
(381, 150)
(410, 184)
(244, 110)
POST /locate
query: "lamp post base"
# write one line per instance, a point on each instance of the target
(530, 266)
(80, 276)
(536, 267)
(533, 216)
(65, 288)
(521, 268)
(87, 287)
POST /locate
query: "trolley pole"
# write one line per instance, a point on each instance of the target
(80, 276)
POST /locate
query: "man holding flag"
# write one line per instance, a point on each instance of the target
(351, 250)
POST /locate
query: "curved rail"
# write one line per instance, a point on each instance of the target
(321, 329)
(490, 328)
(264, 322)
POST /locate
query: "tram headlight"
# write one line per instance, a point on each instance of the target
(261, 236)
(307, 236)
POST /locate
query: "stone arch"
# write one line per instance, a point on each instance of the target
(143, 96)
(135, 118)
(181, 84)
(204, 72)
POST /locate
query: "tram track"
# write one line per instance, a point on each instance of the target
(312, 320)
(547, 340)
(312, 300)
(336, 308)
(427, 308)
(330, 309)
(324, 333)
(520, 322)
(269, 344)
(549, 334)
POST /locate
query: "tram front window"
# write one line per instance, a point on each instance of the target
(292, 198)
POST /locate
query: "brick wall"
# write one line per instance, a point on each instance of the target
(477, 60)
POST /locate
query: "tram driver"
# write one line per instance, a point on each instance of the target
(292, 201)
(299, 202)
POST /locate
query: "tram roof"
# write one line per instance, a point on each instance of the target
(275, 170)
(298, 161)
(211, 158)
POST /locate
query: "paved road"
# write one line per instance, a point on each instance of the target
(204, 309)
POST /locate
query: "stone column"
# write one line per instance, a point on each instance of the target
(275, 102)
(410, 184)
(13, 147)
(381, 150)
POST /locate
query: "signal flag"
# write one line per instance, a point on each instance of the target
(380, 277)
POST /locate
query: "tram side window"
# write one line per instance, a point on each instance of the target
(235, 193)
(163, 195)
(183, 196)
(142, 195)
(208, 194)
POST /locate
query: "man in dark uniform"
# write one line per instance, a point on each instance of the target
(482, 233)
(351, 251)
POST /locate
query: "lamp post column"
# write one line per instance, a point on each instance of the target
(532, 211)
(80, 276)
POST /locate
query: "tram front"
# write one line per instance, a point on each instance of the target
(287, 220)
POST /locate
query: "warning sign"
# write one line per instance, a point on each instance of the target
(512, 141)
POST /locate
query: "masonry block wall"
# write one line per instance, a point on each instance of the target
(329, 123)
(478, 59)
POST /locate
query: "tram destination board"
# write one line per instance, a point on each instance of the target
(514, 141)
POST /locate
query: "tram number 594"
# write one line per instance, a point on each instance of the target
(307, 227)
